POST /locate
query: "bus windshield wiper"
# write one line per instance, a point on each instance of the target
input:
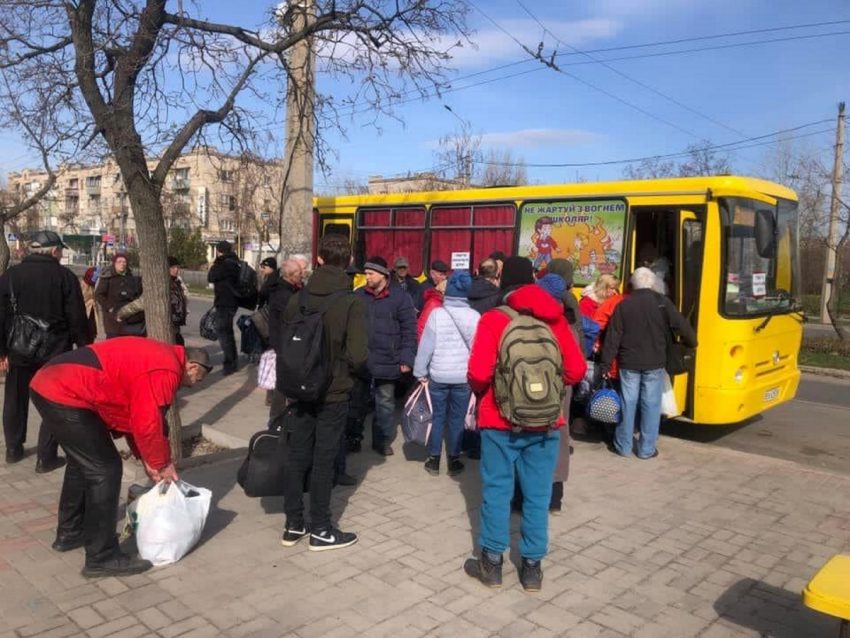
(764, 323)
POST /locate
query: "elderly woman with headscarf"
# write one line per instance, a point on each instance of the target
(117, 287)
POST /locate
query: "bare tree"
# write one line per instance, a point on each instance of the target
(500, 168)
(698, 159)
(143, 81)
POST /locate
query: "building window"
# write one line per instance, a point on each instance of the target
(225, 176)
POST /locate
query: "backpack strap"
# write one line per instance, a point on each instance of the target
(512, 314)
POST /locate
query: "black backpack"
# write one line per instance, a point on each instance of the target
(303, 362)
(246, 286)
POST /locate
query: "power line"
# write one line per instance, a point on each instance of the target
(730, 146)
(587, 83)
(353, 109)
(628, 77)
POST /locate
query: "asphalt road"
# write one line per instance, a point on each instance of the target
(814, 429)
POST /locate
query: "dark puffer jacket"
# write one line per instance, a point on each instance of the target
(113, 292)
(392, 331)
(484, 295)
(224, 275)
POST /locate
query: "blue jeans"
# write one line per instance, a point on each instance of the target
(640, 388)
(383, 428)
(448, 402)
(533, 457)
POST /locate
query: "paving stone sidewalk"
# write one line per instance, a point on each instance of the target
(701, 541)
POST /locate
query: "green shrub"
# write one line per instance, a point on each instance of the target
(827, 345)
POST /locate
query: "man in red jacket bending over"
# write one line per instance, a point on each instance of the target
(86, 398)
(512, 447)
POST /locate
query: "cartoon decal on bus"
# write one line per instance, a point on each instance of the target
(589, 233)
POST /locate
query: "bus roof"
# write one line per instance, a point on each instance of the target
(661, 186)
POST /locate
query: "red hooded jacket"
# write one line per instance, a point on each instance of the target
(128, 381)
(433, 299)
(533, 300)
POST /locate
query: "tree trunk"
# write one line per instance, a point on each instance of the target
(5, 253)
(147, 211)
(833, 304)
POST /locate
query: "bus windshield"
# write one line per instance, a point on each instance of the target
(758, 284)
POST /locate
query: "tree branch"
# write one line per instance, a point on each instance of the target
(199, 119)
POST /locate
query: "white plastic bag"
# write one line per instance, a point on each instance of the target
(470, 420)
(169, 519)
(267, 370)
(669, 405)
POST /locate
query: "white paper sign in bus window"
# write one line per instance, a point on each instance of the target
(759, 284)
(460, 261)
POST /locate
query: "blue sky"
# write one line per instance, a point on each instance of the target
(548, 117)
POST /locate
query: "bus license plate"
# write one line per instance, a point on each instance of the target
(771, 395)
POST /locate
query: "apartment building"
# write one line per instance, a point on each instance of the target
(228, 197)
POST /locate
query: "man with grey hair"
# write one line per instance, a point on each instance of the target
(304, 262)
(637, 336)
(38, 287)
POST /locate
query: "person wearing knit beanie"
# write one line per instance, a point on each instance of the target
(516, 272)
(554, 285)
(459, 283)
(378, 264)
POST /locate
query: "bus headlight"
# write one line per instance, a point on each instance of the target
(739, 375)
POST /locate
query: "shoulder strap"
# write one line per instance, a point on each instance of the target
(512, 314)
(457, 327)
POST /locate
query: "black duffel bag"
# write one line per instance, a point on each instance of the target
(263, 472)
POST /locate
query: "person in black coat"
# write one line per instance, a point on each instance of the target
(271, 280)
(42, 289)
(404, 280)
(484, 294)
(224, 275)
(116, 287)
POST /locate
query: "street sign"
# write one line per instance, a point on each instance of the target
(12, 237)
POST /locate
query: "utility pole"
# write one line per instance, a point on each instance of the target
(832, 235)
(296, 224)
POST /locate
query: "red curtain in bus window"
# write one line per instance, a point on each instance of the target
(375, 217)
(409, 243)
(488, 240)
(445, 241)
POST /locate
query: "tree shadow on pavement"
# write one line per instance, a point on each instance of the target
(220, 478)
(225, 405)
(771, 611)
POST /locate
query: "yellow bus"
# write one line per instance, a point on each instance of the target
(729, 245)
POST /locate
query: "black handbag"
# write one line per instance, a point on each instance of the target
(679, 356)
(208, 328)
(29, 337)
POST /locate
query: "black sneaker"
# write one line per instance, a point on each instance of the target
(354, 446)
(455, 466)
(487, 568)
(292, 534)
(432, 465)
(119, 565)
(531, 575)
(331, 538)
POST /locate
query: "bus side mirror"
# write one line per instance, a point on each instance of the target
(765, 233)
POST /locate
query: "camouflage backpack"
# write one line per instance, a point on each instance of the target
(529, 382)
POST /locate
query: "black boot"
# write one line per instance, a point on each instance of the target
(455, 466)
(557, 496)
(432, 465)
(531, 575)
(120, 564)
(487, 568)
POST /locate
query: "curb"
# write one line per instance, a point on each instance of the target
(222, 438)
(826, 372)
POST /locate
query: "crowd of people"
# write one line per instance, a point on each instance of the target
(505, 345)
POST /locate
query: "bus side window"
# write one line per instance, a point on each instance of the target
(692, 247)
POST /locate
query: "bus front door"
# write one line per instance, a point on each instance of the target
(686, 296)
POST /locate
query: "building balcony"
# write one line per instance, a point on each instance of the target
(180, 183)
(93, 189)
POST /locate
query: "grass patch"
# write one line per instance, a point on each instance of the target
(825, 352)
(811, 304)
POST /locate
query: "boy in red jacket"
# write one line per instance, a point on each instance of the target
(530, 454)
(86, 398)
